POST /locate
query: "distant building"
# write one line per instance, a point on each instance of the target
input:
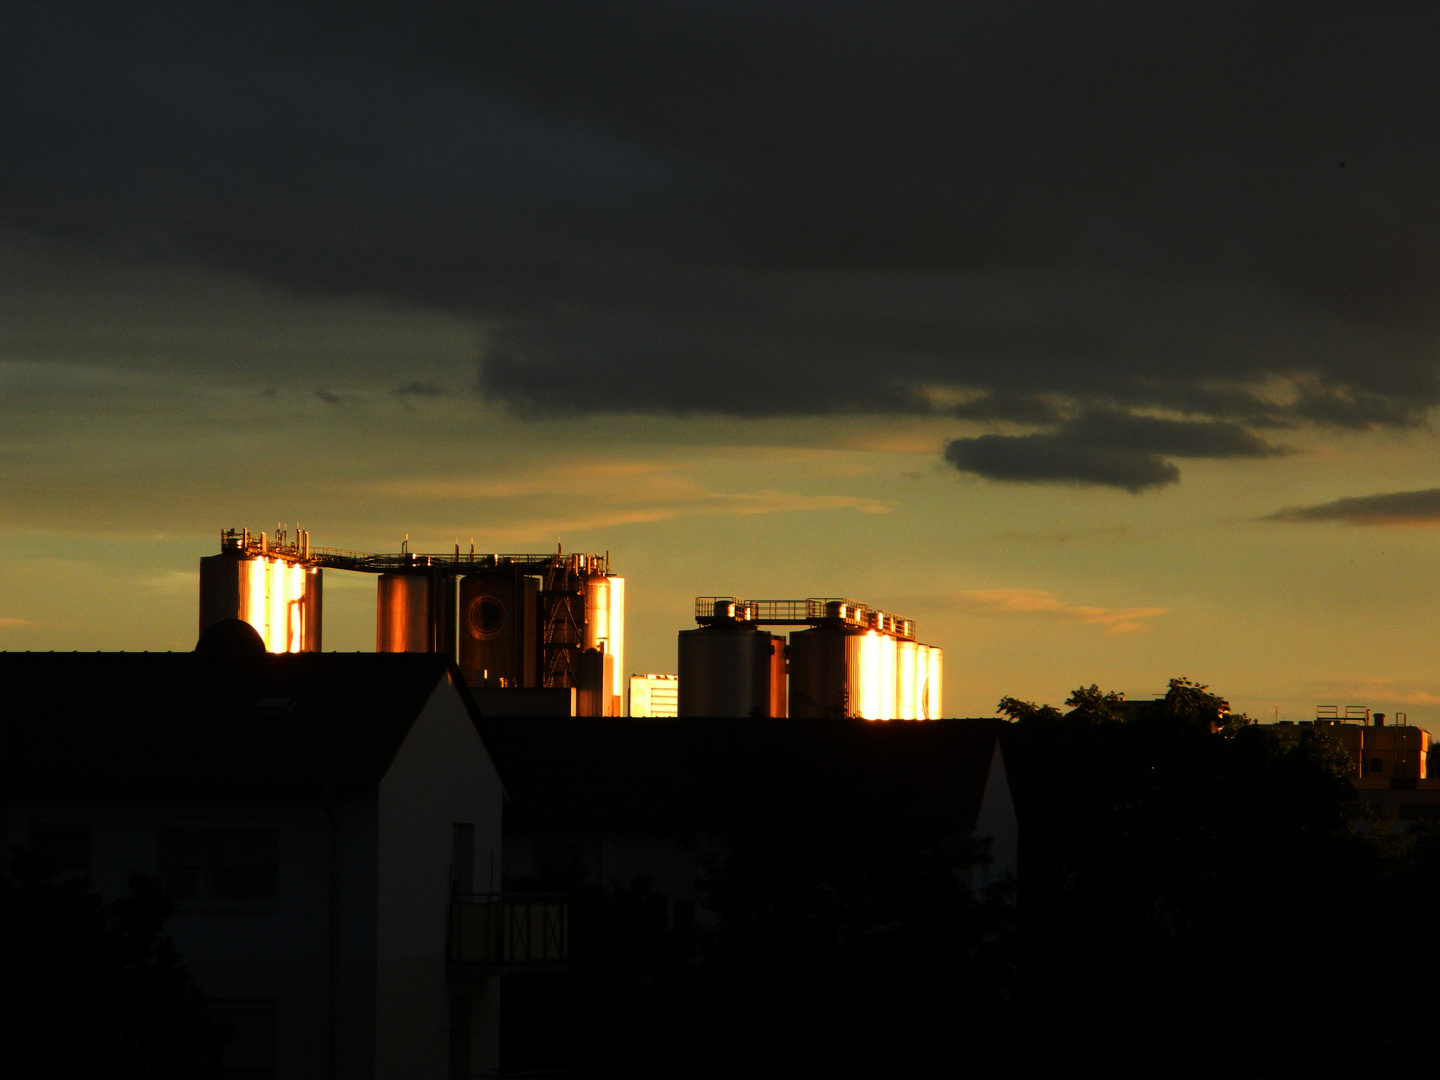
(322, 821)
(654, 695)
(1390, 763)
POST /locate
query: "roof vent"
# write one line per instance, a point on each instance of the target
(232, 638)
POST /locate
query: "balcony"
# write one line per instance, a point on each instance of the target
(508, 934)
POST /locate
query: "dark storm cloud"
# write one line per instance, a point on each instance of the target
(1040, 210)
(1105, 447)
(1396, 508)
(1051, 459)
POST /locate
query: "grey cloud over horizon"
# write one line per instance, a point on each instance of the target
(1110, 449)
(1394, 508)
(1035, 213)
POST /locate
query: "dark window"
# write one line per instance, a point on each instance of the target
(249, 1052)
(462, 859)
(1375, 764)
(211, 862)
(65, 843)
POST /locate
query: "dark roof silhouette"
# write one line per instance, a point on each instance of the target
(196, 721)
(678, 776)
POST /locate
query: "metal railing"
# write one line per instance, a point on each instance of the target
(809, 612)
(508, 934)
(298, 549)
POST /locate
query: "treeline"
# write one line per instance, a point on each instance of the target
(1198, 895)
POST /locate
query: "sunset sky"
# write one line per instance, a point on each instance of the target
(1101, 339)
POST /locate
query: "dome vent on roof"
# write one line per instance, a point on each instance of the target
(231, 637)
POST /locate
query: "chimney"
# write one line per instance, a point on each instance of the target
(1379, 718)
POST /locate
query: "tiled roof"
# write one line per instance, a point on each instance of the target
(188, 721)
(581, 774)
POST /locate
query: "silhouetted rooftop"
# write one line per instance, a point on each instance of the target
(190, 720)
(684, 774)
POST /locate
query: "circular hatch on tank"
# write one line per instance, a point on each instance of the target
(487, 616)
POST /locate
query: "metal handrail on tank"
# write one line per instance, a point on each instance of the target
(814, 611)
(299, 550)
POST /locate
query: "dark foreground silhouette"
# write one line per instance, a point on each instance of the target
(93, 989)
(1197, 896)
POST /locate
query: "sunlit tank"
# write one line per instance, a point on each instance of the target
(907, 701)
(605, 630)
(281, 600)
(931, 685)
(594, 692)
(403, 617)
(779, 669)
(825, 671)
(498, 635)
(876, 689)
(725, 670)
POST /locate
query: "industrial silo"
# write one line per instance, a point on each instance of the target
(279, 598)
(930, 685)
(907, 682)
(779, 671)
(605, 631)
(499, 634)
(826, 671)
(594, 687)
(415, 611)
(726, 669)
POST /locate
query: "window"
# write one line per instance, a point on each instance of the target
(214, 862)
(462, 859)
(65, 843)
(1375, 764)
(250, 1052)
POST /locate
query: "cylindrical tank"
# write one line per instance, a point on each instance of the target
(605, 630)
(725, 670)
(281, 600)
(876, 682)
(594, 692)
(933, 673)
(225, 589)
(779, 670)
(403, 612)
(825, 671)
(497, 628)
(314, 608)
(907, 704)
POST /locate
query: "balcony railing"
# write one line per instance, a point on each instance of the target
(508, 934)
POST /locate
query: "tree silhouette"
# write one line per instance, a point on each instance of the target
(93, 989)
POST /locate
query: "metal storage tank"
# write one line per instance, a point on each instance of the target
(934, 663)
(725, 670)
(605, 630)
(875, 697)
(825, 671)
(280, 599)
(907, 702)
(415, 612)
(779, 670)
(595, 693)
(225, 588)
(499, 633)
